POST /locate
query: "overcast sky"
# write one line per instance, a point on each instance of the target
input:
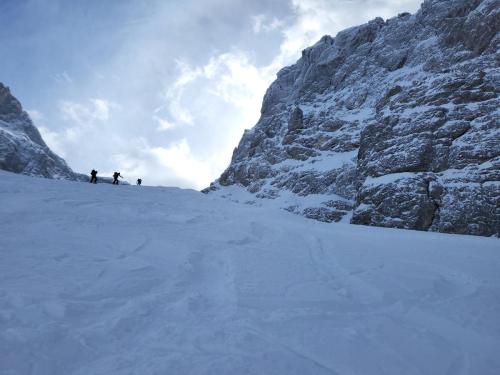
(159, 89)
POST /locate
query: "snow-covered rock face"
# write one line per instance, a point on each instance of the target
(393, 123)
(22, 149)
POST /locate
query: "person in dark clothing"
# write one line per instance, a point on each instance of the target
(115, 177)
(139, 182)
(93, 177)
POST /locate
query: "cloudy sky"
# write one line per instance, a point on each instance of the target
(159, 89)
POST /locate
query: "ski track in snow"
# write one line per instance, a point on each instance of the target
(124, 280)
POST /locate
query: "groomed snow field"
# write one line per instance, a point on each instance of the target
(103, 279)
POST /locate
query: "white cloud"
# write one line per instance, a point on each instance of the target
(97, 111)
(236, 79)
(174, 92)
(83, 128)
(257, 23)
(63, 142)
(225, 93)
(35, 115)
(178, 112)
(175, 163)
(315, 18)
(63, 77)
(179, 160)
(265, 24)
(102, 108)
(181, 114)
(54, 140)
(163, 124)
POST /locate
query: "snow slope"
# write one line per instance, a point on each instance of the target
(135, 280)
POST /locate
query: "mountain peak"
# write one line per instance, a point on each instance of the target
(9, 105)
(22, 149)
(392, 123)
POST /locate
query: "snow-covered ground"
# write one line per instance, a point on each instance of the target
(102, 279)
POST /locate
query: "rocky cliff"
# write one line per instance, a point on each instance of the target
(22, 149)
(392, 123)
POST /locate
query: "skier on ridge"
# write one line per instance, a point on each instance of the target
(115, 178)
(93, 176)
(139, 182)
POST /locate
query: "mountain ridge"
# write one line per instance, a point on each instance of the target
(22, 149)
(392, 123)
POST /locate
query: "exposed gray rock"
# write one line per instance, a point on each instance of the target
(22, 149)
(397, 120)
(404, 202)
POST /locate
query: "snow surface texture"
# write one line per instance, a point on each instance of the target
(393, 123)
(22, 149)
(135, 280)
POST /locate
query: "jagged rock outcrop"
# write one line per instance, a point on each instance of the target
(393, 123)
(22, 149)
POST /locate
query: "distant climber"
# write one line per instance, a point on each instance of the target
(115, 178)
(93, 177)
(139, 182)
